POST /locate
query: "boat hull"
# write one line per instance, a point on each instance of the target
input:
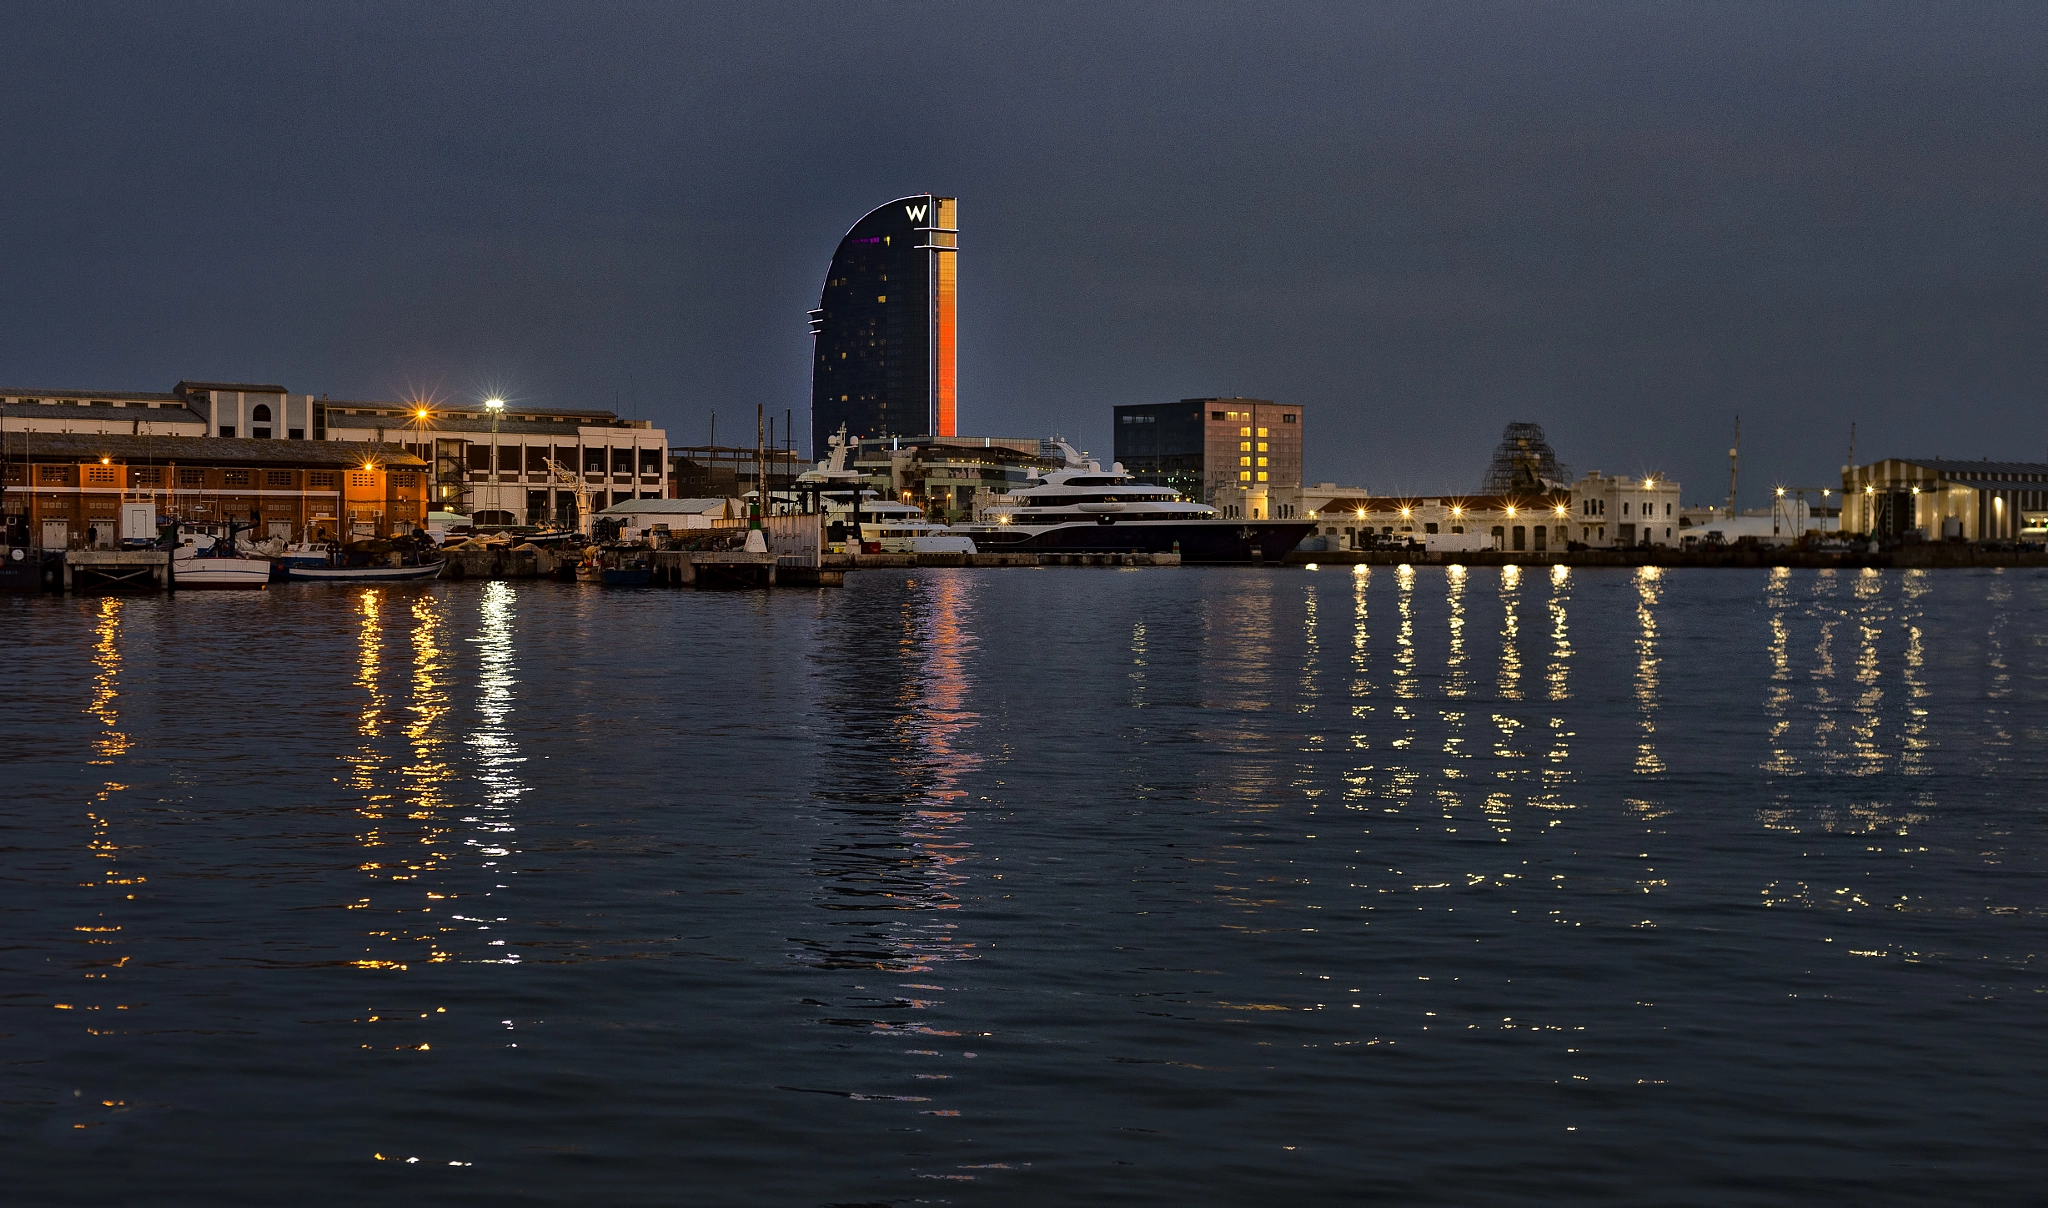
(362, 574)
(220, 574)
(634, 576)
(1199, 541)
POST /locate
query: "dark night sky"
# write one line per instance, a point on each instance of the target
(1627, 223)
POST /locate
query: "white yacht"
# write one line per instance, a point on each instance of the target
(1082, 508)
(883, 524)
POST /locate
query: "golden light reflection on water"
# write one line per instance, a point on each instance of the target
(495, 752)
(108, 745)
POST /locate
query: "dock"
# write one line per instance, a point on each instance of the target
(117, 570)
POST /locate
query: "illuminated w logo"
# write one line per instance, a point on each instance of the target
(916, 213)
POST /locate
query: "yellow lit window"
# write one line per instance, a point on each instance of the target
(1262, 476)
(1262, 446)
(882, 298)
(1262, 461)
(1244, 461)
(1244, 431)
(1244, 475)
(1262, 434)
(1244, 446)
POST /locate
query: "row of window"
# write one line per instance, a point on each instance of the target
(1231, 417)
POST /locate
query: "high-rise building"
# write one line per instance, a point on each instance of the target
(883, 361)
(1242, 455)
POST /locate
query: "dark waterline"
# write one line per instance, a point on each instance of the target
(1199, 886)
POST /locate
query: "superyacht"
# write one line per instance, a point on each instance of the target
(1081, 508)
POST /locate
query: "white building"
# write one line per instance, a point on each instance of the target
(1618, 513)
(495, 467)
(678, 514)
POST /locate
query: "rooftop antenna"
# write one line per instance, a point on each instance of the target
(1734, 461)
(1852, 442)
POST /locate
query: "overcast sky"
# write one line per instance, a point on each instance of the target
(1626, 223)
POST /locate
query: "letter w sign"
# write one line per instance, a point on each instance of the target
(916, 213)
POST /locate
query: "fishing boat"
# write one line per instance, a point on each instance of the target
(395, 561)
(363, 574)
(202, 562)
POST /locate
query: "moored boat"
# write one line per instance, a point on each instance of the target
(204, 563)
(363, 574)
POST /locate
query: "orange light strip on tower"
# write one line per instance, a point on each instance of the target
(943, 302)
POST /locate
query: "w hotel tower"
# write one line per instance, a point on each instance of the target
(884, 326)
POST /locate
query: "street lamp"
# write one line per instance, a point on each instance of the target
(496, 406)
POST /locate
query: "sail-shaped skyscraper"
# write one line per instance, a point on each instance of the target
(883, 361)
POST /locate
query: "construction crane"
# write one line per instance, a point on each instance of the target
(583, 517)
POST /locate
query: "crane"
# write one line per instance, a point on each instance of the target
(583, 517)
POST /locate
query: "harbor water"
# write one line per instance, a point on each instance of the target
(1413, 884)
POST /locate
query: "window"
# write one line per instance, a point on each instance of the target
(1216, 415)
(1429, 527)
(1262, 476)
(622, 461)
(296, 433)
(650, 461)
(277, 478)
(363, 478)
(320, 478)
(1624, 507)
(1244, 475)
(102, 476)
(1667, 512)
(1244, 461)
(234, 478)
(227, 430)
(1262, 461)
(149, 476)
(405, 479)
(1262, 434)
(261, 415)
(189, 478)
(1288, 418)
(1244, 446)
(1244, 431)
(1262, 447)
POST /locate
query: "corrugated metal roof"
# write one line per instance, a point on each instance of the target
(667, 507)
(466, 427)
(179, 414)
(26, 392)
(81, 447)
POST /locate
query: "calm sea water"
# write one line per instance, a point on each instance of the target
(1031, 886)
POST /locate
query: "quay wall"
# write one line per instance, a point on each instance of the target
(1925, 555)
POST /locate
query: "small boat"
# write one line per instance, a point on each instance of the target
(203, 563)
(363, 574)
(399, 560)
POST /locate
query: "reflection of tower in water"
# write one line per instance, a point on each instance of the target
(891, 779)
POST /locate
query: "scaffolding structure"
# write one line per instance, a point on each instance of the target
(1523, 462)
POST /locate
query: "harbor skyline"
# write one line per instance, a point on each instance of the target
(1626, 226)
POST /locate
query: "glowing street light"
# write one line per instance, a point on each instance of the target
(496, 406)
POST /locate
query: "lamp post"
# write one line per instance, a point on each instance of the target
(496, 406)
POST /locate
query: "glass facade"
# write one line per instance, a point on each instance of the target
(883, 361)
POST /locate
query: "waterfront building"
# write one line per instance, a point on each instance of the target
(1618, 513)
(1241, 456)
(1938, 499)
(950, 479)
(65, 490)
(225, 409)
(1534, 522)
(492, 463)
(883, 357)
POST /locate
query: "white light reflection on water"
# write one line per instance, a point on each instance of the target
(1649, 590)
(495, 752)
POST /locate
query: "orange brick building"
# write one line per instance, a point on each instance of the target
(64, 490)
